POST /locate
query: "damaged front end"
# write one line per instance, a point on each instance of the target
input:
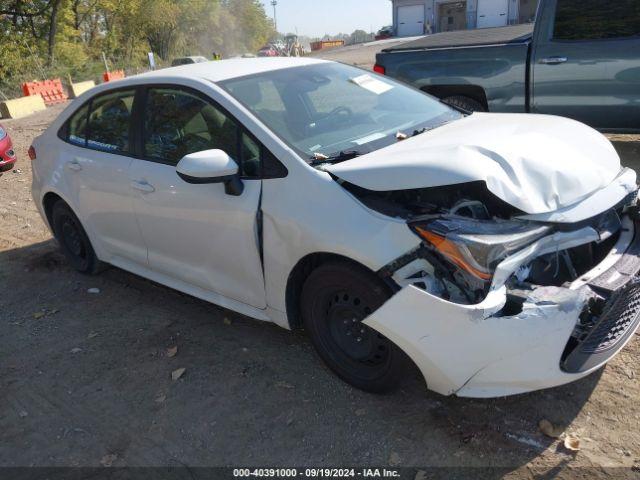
(510, 304)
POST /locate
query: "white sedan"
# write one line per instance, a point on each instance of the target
(496, 252)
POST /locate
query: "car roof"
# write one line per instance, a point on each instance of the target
(220, 70)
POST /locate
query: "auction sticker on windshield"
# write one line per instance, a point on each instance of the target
(372, 84)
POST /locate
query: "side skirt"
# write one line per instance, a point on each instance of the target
(189, 289)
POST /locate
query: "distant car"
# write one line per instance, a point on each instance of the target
(499, 252)
(385, 32)
(7, 154)
(188, 60)
(268, 51)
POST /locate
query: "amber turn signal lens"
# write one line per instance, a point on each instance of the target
(451, 251)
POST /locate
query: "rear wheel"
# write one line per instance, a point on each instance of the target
(73, 240)
(335, 299)
(465, 103)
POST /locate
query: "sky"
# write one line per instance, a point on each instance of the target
(314, 18)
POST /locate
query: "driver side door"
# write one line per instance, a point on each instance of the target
(195, 234)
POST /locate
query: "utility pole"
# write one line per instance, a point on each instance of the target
(274, 4)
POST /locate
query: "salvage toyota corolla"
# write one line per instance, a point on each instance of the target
(498, 252)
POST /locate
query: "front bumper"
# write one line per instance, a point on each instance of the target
(482, 351)
(7, 163)
(7, 155)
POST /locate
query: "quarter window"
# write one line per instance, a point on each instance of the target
(596, 19)
(77, 133)
(109, 122)
(177, 123)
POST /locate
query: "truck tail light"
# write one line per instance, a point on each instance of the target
(32, 153)
(379, 69)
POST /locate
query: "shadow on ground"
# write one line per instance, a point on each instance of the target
(86, 376)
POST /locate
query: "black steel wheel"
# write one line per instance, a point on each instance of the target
(335, 299)
(73, 240)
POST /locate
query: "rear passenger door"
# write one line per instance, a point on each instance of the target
(97, 156)
(586, 63)
(197, 234)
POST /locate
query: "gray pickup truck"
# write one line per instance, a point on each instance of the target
(581, 59)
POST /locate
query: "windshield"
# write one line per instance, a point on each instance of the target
(322, 110)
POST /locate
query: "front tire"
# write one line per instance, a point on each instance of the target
(73, 240)
(335, 299)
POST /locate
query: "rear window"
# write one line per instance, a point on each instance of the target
(596, 19)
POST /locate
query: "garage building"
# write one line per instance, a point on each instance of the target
(419, 17)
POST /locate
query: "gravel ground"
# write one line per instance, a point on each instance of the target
(85, 380)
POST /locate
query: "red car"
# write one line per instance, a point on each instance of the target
(7, 155)
(268, 51)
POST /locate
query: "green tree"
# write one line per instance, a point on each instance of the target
(47, 38)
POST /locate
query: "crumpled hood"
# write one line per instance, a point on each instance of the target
(537, 163)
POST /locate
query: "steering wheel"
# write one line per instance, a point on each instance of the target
(321, 124)
(340, 111)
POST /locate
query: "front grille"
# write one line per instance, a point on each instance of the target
(619, 320)
(607, 324)
(620, 314)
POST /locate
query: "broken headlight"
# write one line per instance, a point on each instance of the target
(476, 246)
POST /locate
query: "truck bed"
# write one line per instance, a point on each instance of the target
(469, 38)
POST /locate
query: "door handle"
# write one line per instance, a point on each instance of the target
(553, 60)
(142, 186)
(74, 166)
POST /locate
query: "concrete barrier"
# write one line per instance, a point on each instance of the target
(111, 76)
(21, 107)
(79, 88)
(50, 90)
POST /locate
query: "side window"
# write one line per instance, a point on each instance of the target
(250, 157)
(177, 123)
(77, 127)
(109, 122)
(596, 19)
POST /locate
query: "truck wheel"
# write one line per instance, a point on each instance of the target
(73, 240)
(335, 299)
(465, 103)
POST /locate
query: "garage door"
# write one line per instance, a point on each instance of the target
(492, 13)
(411, 20)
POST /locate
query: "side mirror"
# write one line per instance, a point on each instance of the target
(211, 166)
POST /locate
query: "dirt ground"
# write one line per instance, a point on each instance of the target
(85, 380)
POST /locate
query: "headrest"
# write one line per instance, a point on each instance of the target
(248, 92)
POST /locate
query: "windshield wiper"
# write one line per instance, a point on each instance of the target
(427, 129)
(403, 136)
(342, 156)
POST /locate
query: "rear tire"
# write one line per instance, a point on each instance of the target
(335, 299)
(73, 240)
(465, 103)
